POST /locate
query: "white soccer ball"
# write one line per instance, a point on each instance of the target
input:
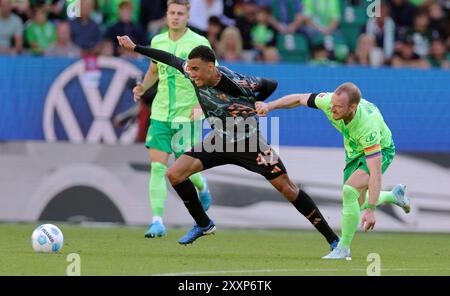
(47, 238)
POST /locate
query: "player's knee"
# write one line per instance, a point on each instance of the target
(350, 194)
(158, 169)
(174, 177)
(289, 191)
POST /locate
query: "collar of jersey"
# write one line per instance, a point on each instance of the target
(184, 35)
(355, 118)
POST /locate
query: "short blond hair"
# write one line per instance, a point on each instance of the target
(180, 2)
(352, 91)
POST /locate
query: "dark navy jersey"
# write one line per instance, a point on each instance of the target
(230, 105)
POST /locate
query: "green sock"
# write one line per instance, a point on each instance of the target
(386, 197)
(198, 182)
(350, 215)
(157, 188)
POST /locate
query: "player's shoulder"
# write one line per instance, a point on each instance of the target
(197, 38)
(321, 101)
(231, 74)
(225, 70)
(161, 37)
(324, 97)
(369, 118)
(369, 109)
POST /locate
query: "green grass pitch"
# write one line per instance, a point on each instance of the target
(125, 251)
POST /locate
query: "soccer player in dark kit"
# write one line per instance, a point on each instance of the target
(228, 101)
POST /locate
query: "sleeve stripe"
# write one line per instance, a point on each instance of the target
(312, 101)
(372, 150)
(373, 155)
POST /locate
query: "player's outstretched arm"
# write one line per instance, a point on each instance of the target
(286, 102)
(155, 54)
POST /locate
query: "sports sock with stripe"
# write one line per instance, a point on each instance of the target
(306, 206)
(186, 191)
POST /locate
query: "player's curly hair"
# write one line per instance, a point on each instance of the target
(204, 53)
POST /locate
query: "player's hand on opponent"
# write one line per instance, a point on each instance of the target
(368, 220)
(262, 108)
(138, 91)
(126, 42)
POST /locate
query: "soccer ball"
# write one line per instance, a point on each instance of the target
(47, 238)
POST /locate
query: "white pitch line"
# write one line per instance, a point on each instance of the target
(292, 270)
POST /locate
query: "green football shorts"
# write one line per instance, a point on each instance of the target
(360, 163)
(173, 137)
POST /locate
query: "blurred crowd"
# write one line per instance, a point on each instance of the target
(400, 33)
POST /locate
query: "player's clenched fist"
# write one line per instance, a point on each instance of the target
(138, 91)
(126, 42)
(262, 108)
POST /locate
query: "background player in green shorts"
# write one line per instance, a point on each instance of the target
(228, 100)
(369, 151)
(174, 107)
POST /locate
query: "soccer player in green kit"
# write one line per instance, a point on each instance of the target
(174, 106)
(369, 150)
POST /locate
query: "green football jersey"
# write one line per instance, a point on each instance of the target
(176, 95)
(322, 12)
(366, 133)
(43, 35)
